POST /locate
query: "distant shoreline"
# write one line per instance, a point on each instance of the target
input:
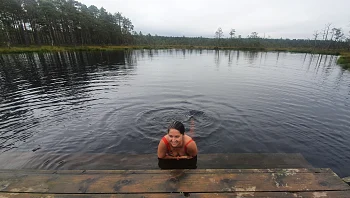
(23, 49)
(344, 59)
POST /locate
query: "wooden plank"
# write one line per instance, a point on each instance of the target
(147, 161)
(196, 171)
(347, 180)
(159, 181)
(318, 194)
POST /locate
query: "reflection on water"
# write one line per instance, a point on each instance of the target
(35, 86)
(96, 103)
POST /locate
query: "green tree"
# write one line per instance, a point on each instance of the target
(232, 33)
(253, 35)
(11, 13)
(219, 34)
(60, 22)
(315, 38)
(338, 34)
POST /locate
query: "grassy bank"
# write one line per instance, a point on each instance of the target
(344, 60)
(111, 48)
(6, 50)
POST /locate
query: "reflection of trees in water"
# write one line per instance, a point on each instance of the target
(229, 58)
(217, 58)
(10, 106)
(133, 55)
(310, 61)
(261, 54)
(130, 58)
(150, 54)
(156, 52)
(237, 58)
(304, 59)
(180, 51)
(14, 110)
(251, 55)
(36, 86)
(327, 63)
(327, 66)
(319, 61)
(341, 78)
(6, 71)
(142, 52)
(229, 54)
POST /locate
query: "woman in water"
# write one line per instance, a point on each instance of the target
(177, 146)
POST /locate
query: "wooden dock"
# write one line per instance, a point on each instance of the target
(204, 182)
(168, 183)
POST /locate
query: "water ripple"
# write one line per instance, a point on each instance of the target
(71, 103)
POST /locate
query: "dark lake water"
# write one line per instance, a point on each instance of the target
(121, 103)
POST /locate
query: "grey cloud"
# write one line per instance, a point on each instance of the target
(287, 19)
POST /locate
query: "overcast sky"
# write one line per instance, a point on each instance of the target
(275, 18)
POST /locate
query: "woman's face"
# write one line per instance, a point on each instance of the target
(175, 137)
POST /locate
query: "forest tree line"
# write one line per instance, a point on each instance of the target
(61, 22)
(71, 23)
(330, 38)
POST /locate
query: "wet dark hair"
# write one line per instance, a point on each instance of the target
(178, 126)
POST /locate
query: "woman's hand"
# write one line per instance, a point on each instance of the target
(184, 157)
(180, 157)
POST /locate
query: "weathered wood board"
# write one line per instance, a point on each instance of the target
(153, 183)
(320, 194)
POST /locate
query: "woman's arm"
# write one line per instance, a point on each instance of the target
(177, 158)
(192, 149)
(162, 150)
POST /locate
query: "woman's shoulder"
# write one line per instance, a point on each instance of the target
(165, 138)
(188, 138)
